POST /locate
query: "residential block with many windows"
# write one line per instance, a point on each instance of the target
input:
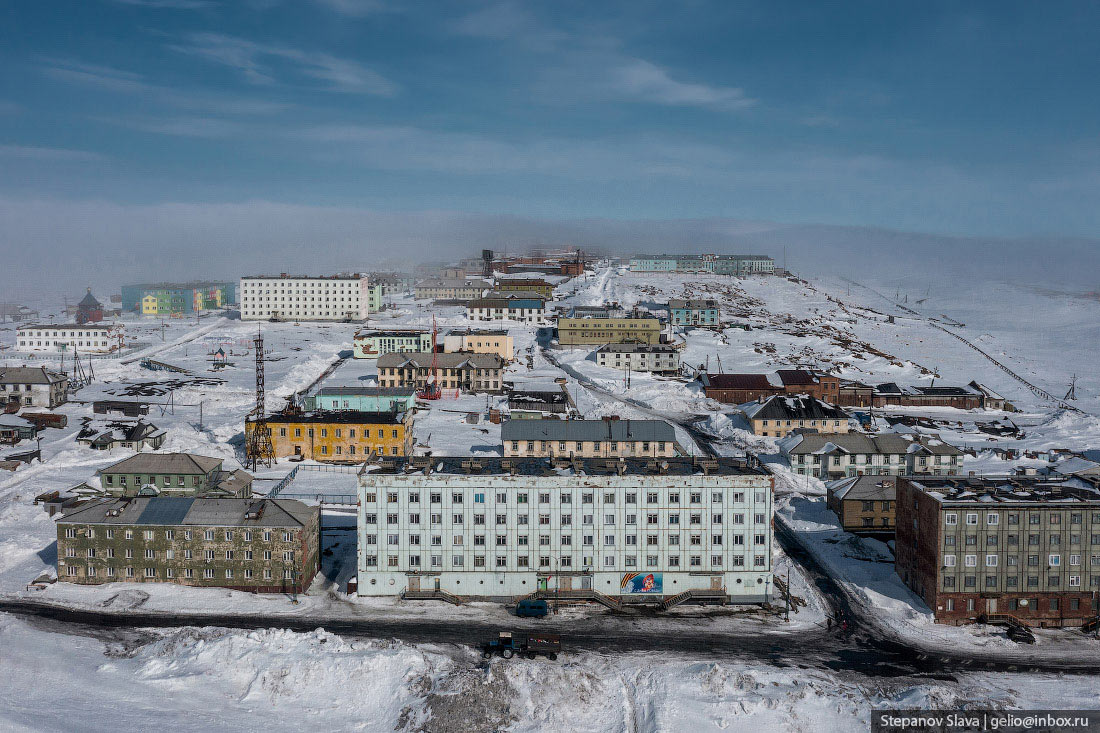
(641, 530)
(300, 297)
(338, 436)
(262, 545)
(1026, 546)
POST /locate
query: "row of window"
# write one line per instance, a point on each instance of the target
(566, 561)
(1012, 581)
(170, 534)
(1015, 604)
(609, 520)
(593, 445)
(695, 540)
(1013, 540)
(151, 554)
(993, 518)
(991, 561)
(207, 574)
(339, 432)
(566, 497)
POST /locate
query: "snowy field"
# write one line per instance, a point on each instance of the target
(280, 680)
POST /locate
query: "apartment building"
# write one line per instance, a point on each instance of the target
(86, 338)
(540, 287)
(174, 474)
(777, 416)
(164, 299)
(33, 387)
(287, 297)
(341, 436)
(656, 358)
(1026, 546)
(739, 265)
(865, 505)
(372, 344)
(480, 341)
(699, 313)
(607, 438)
(450, 288)
(591, 328)
(499, 528)
(523, 310)
(831, 456)
(258, 545)
(457, 371)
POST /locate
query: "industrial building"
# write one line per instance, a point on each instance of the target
(303, 298)
(614, 530)
(258, 545)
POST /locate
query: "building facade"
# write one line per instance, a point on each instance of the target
(700, 313)
(834, 456)
(364, 399)
(166, 299)
(588, 439)
(343, 436)
(480, 341)
(88, 338)
(174, 474)
(964, 397)
(458, 371)
(582, 329)
(372, 344)
(657, 358)
(775, 417)
(638, 530)
(261, 545)
(864, 505)
(738, 388)
(450, 289)
(33, 387)
(541, 288)
(1025, 546)
(738, 265)
(136, 436)
(302, 298)
(522, 310)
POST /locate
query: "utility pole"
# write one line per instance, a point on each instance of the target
(788, 594)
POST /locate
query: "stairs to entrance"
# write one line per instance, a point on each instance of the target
(689, 595)
(433, 595)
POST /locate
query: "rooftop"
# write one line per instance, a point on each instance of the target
(638, 348)
(168, 463)
(396, 333)
(342, 417)
(853, 443)
(1020, 490)
(287, 276)
(787, 407)
(172, 511)
(464, 465)
(453, 360)
(69, 326)
(29, 375)
(864, 488)
(588, 430)
(695, 304)
(367, 391)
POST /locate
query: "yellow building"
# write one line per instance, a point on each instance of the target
(480, 341)
(591, 330)
(345, 436)
(150, 305)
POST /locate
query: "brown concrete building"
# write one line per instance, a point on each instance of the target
(259, 545)
(737, 388)
(1025, 546)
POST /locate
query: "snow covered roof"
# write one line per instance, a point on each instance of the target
(784, 407)
(880, 444)
(166, 463)
(864, 488)
(696, 304)
(1024, 490)
(659, 469)
(366, 391)
(30, 375)
(186, 511)
(588, 430)
(454, 360)
(1076, 465)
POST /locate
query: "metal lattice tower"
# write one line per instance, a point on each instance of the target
(259, 448)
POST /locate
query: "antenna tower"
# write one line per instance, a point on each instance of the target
(259, 449)
(1072, 394)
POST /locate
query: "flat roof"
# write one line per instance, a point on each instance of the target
(495, 465)
(1018, 490)
(343, 417)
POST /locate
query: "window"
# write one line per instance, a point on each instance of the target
(951, 519)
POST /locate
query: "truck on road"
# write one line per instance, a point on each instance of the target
(526, 644)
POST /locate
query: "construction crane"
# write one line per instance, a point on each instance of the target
(431, 389)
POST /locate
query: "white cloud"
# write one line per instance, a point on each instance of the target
(256, 61)
(30, 152)
(643, 81)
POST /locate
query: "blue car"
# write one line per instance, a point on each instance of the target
(532, 608)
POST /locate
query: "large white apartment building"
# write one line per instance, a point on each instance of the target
(87, 338)
(636, 529)
(301, 298)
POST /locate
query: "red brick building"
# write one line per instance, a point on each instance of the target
(1022, 546)
(738, 388)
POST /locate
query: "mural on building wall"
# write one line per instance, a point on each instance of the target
(642, 583)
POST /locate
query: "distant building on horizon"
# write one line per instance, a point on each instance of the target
(166, 299)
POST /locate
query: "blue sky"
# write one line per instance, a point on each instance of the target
(958, 118)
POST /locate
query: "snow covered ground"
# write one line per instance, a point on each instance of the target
(279, 680)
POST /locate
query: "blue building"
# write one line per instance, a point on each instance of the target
(739, 265)
(363, 399)
(699, 313)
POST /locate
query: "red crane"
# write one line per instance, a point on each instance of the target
(431, 389)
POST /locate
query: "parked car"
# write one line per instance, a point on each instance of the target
(529, 645)
(1021, 635)
(532, 608)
